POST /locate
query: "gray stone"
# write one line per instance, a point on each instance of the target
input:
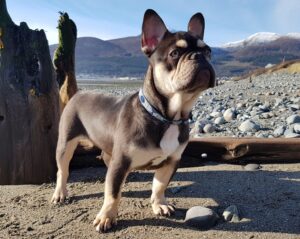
(278, 101)
(261, 135)
(229, 114)
(297, 128)
(231, 214)
(220, 120)
(252, 167)
(293, 119)
(292, 135)
(240, 105)
(215, 114)
(288, 131)
(279, 131)
(248, 126)
(201, 217)
(264, 108)
(266, 115)
(209, 128)
(199, 125)
(294, 107)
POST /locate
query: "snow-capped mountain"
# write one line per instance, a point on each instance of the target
(259, 39)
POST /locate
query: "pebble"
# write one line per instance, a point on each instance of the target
(220, 120)
(292, 135)
(229, 114)
(209, 128)
(29, 228)
(293, 119)
(252, 167)
(274, 112)
(279, 131)
(231, 214)
(215, 114)
(248, 126)
(201, 217)
(297, 128)
(294, 107)
(288, 131)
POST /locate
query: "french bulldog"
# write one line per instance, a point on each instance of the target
(145, 130)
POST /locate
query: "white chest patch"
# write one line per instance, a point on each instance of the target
(169, 142)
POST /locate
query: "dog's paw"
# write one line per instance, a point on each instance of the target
(59, 195)
(163, 209)
(105, 221)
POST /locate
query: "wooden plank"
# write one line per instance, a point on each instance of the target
(243, 149)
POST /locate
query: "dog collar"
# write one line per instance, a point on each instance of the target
(154, 112)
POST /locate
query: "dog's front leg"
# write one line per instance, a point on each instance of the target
(116, 174)
(161, 180)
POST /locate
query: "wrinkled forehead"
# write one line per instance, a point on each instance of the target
(182, 40)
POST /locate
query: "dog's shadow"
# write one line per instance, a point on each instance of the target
(268, 200)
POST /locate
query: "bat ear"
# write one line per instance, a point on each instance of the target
(153, 30)
(196, 25)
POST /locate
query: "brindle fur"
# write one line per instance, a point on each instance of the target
(129, 137)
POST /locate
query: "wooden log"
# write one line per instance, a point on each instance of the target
(29, 108)
(231, 149)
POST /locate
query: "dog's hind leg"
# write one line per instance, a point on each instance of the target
(64, 154)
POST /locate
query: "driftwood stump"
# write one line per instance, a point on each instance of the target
(29, 108)
(64, 59)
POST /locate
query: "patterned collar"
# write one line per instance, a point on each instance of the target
(156, 114)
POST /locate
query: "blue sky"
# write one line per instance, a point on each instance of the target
(226, 20)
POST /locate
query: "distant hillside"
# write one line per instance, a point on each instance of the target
(123, 57)
(131, 44)
(106, 58)
(292, 67)
(241, 60)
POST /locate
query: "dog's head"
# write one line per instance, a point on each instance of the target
(180, 60)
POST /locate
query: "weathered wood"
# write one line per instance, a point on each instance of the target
(64, 59)
(223, 149)
(29, 109)
(243, 149)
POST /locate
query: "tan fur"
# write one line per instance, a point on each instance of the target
(68, 89)
(182, 43)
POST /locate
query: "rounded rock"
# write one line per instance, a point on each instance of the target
(297, 128)
(293, 119)
(209, 128)
(229, 115)
(201, 217)
(216, 114)
(252, 167)
(248, 126)
(294, 107)
(279, 131)
(292, 135)
(231, 214)
(220, 120)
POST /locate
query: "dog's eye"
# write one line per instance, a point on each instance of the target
(174, 54)
(207, 54)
